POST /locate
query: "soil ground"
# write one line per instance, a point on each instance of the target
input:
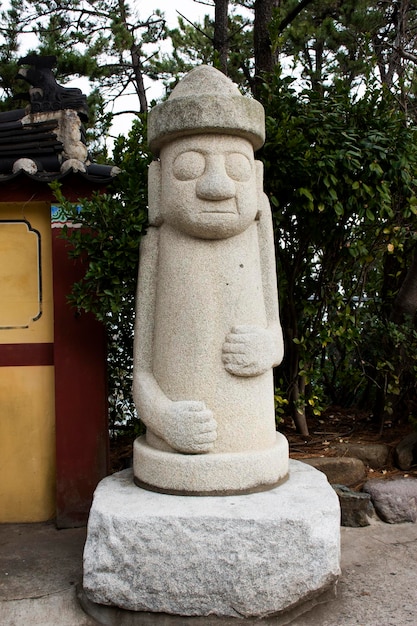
(335, 425)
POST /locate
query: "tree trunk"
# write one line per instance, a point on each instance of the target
(297, 389)
(221, 38)
(136, 60)
(317, 74)
(405, 304)
(390, 58)
(298, 406)
(404, 307)
(139, 84)
(265, 59)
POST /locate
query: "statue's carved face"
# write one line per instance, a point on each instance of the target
(209, 185)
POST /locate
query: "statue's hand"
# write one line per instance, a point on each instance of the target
(250, 350)
(189, 427)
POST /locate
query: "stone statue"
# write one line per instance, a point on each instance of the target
(207, 337)
(207, 326)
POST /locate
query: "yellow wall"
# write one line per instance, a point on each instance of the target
(22, 227)
(27, 396)
(27, 443)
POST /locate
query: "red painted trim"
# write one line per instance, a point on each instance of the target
(26, 354)
(80, 395)
(73, 187)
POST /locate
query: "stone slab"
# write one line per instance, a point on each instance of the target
(375, 455)
(395, 501)
(339, 470)
(234, 556)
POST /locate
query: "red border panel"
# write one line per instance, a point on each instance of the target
(26, 354)
(80, 395)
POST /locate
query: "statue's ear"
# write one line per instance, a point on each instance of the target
(154, 194)
(259, 169)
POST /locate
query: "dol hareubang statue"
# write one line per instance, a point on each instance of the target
(207, 329)
(207, 337)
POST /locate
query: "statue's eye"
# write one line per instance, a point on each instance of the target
(238, 166)
(189, 165)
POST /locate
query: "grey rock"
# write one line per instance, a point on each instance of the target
(395, 501)
(235, 556)
(339, 470)
(374, 455)
(356, 507)
(405, 454)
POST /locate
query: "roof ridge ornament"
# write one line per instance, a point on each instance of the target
(47, 140)
(45, 93)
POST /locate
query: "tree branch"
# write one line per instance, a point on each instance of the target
(290, 17)
(407, 55)
(195, 26)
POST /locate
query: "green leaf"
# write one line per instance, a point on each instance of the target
(306, 192)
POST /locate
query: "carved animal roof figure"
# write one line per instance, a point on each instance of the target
(46, 94)
(47, 140)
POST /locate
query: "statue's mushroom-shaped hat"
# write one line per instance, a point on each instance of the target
(206, 101)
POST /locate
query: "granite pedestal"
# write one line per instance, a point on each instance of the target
(239, 556)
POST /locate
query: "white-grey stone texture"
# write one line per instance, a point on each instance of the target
(236, 556)
(206, 101)
(210, 474)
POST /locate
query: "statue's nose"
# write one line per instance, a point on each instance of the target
(215, 184)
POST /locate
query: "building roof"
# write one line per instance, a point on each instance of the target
(46, 141)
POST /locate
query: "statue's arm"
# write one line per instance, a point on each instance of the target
(187, 426)
(149, 399)
(269, 278)
(250, 350)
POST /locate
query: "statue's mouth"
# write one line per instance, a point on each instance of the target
(220, 212)
(221, 207)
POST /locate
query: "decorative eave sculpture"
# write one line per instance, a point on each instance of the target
(207, 330)
(46, 140)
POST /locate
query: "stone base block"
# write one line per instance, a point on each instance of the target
(241, 556)
(210, 474)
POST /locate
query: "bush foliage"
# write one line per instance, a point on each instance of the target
(112, 225)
